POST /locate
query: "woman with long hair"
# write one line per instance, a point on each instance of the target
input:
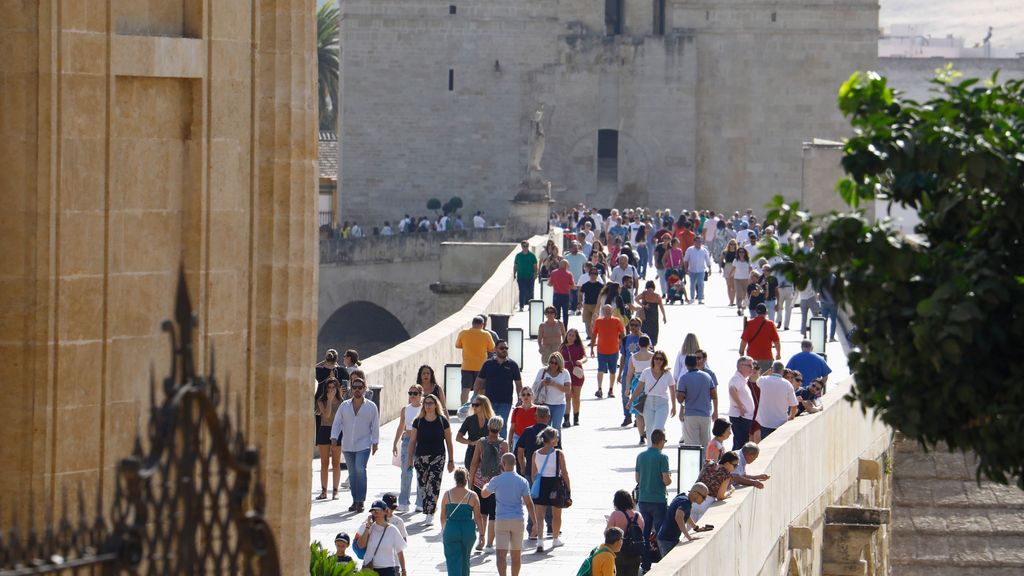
(523, 416)
(650, 302)
(330, 456)
(551, 386)
(740, 278)
(654, 383)
(403, 434)
(426, 378)
(690, 346)
(726, 259)
(550, 470)
(486, 465)
(626, 518)
(474, 427)
(642, 254)
(638, 362)
(611, 294)
(575, 356)
(460, 523)
(429, 439)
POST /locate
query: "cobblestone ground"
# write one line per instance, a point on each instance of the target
(599, 454)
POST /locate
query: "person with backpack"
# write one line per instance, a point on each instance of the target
(486, 465)
(601, 561)
(626, 518)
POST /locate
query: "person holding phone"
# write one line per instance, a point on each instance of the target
(383, 543)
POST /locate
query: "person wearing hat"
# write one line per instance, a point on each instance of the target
(341, 543)
(383, 543)
(392, 501)
(760, 336)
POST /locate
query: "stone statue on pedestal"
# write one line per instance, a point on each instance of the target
(537, 138)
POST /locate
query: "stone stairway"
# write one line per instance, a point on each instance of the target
(945, 523)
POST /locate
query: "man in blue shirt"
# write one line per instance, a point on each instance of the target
(678, 519)
(809, 364)
(696, 391)
(511, 494)
(499, 378)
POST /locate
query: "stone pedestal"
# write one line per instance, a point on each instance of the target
(530, 210)
(848, 532)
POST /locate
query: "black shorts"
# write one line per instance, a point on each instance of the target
(469, 379)
(488, 506)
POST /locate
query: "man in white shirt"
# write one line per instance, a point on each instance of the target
(623, 270)
(478, 220)
(442, 223)
(697, 260)
(748, 454)
(386, 230)
(778, 400)
(741, 400)
(356, 231)
(576, 260)
(403, 225)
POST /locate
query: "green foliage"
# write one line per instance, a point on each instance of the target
(452, 205)
(940, 312)
(433, 204)
(328, 24)
(323, 563)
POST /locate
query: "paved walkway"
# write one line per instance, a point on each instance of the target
(599, 454)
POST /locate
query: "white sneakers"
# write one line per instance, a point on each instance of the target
(555, 543)
(403, 507)
(428, 519)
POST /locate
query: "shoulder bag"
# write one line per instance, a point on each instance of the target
(540, 391)
(537, 474)
(641, 400)
(369, 564)
(560, 495)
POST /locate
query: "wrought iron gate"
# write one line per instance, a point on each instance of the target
(190, 503)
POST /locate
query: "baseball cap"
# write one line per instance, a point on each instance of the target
(343, 536)
(379, 505)
(391, 500)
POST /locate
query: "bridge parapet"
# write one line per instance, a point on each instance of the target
(414, 247)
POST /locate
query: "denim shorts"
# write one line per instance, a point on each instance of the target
(606, 362)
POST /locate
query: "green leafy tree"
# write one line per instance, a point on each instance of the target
(434, 204)
(939, 313)
(328, 23)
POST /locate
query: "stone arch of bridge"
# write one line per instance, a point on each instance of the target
(361, 325)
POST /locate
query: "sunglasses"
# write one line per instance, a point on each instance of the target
(358, 387)
(555, 362)
(476, 404)
(502, 347)
(413, 393)
(428, 403)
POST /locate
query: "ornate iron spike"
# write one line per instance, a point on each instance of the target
(81, 505)
(137, 446)
(170, 382)
(186, 320)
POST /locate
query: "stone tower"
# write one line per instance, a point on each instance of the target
(137, 136)
(679, 103)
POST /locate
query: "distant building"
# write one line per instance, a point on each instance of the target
(328, 165)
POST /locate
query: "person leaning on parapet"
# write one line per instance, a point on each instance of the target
(475, 343)
(809, 397)
(678, 522)
(478, 220)
(778, 401)
(748, 453)
(524, 271)
(761, 336)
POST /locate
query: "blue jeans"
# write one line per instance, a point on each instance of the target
(356, 464)
(740, 431)
(654, 515)
(562, 302)
(574, 299)
(406, 492)
(642, 256)
(626, 404)
(525, 290)
(502, 410)
(664, 546)
(655, 413)
(696, 285)
(557, 413)
(831, 315)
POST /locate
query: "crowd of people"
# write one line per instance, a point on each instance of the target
(444, 222)
(512, 486)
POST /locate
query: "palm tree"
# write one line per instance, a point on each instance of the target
(328, 21)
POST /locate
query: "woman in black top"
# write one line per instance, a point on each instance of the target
(430, 436)
(425, 377)
(474, 427)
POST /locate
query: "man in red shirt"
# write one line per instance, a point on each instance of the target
(563, 283)
(686, 236)
(760, 336)
(608, 331)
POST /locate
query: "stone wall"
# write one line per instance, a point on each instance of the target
(813, 463)
(400, 247)
(911, 75)
(711, 113)
(137, 137)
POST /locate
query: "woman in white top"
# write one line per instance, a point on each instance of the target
(382, 541)
(638, 362)
(690, 347)
(549, 462)
(551, 386)
(740, 277)
(655, 383)
(405, 418)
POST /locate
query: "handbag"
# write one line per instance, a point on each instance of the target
(535, 487)
(560, 495)
(641, 400)
(369, 565)
(577, 371)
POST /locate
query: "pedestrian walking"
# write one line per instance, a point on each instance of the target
(555, 488)
(625, 518)
(550, 334)
(486, 464)
(524, 415)
(499, 379)
(330, 454)
(474, 427)
(696, 393)
(551, 386)
(402, 435)
(652, 391)
(475, 344)
(511, 494)
(427, 380)
(575, 356)
(430, 442)
(607, 331)
(358, 423)
(638, 362)
(697, 260)
(562, 284)
(649, 302)
(460, 523)
(383, 543)
(759, 337)
(740, 278)
(524, 271)
(590, 290)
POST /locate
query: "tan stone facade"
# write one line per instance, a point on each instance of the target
(137, 136)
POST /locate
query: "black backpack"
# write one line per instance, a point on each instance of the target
(633, 538)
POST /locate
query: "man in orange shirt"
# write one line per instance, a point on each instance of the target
(475, 343)
(608, 330)
(761, 336)
(686, 236)
(602, 559)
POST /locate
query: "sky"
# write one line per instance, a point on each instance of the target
(969, 19)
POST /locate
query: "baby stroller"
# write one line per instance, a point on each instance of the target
(676, 285)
